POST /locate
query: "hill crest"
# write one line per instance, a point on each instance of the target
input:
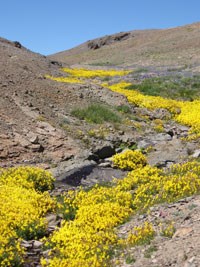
(161, 47)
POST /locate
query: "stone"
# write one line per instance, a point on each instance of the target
(17, 44)
(51, 219)
(21, 140)
(183, 231)
(105, 164)
(4, 154)
(105, 151)
(26, 244)
(72, 173)
(196, 153)
(165, 153)
(33, 138)
(162, 114)
(37, 244)
(143, 144)
(36, 148)
(161, 137)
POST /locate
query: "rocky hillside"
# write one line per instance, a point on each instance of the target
(169, 48)
(72, 122)
(33, 108)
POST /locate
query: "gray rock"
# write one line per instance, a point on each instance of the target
(143, 144)
(161, 137)
(73, 173)
(183, 128)
(36, 148)
(161, 114)
(105, 164)
(196, 153)
(33, 138)
(37, 244)
(165, 153)
(51, 219)
(105, 151)
(26, 244)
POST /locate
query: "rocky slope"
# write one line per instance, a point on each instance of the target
(33, 108)
(169, 48)
(37, 128)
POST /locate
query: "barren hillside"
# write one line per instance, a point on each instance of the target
(174, 47)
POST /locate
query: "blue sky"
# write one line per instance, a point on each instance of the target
(49, 26)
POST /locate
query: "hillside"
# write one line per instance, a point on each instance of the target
(118, 150)
(33, 109)
(169, 48)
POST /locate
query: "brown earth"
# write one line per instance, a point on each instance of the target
(32, 108)
(173, 48)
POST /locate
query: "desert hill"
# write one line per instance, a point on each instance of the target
(173, 47)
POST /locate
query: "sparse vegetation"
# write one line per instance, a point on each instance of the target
(148, 253)
(177, 87)
(96, 113)
(124, 109)
(140, 70)
(130, 259)
(168, 230)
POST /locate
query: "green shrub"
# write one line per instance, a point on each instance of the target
(175, 87)
(124, 109)
(96, 113)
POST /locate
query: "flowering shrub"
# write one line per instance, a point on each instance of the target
(85, 73)
(138, 99)
(27, 177)
(152, 185)
(185, 112)
(79, 75)
(168, 230)
(141, 234)
(89, 232)
(23, 210)
(190, 116)
(64, 79)
(87, 240)
(129, 160)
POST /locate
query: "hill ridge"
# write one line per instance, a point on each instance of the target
(177, 46)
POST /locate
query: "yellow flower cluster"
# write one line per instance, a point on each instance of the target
(129, 160)
(87, 240)
(151, 102)
(69, 79)
(89, 233)
(141, 234)
(158, 125)
(22, 210)
(80, 75)
(86, 73)
(169, 230)
(152, 185)
(190, 116)
(27, 177)
(185, 112)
